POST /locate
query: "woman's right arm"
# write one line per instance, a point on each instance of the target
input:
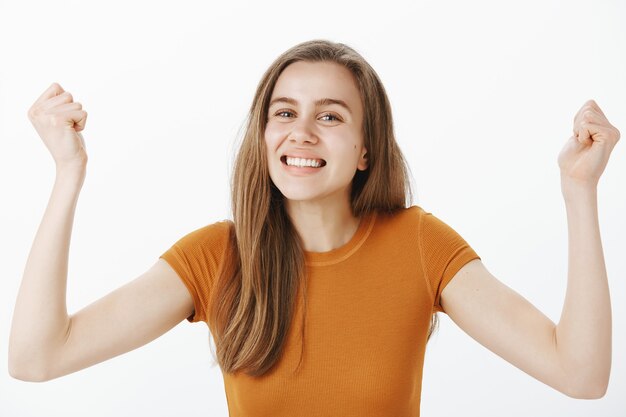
(45, 342)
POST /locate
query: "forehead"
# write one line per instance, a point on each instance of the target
(309, 81)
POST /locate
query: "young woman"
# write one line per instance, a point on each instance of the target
(322, 292)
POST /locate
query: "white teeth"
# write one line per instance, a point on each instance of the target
(301, 162)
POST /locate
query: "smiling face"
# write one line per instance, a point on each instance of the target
(314, 135)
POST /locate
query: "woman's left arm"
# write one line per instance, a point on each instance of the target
(573, 356)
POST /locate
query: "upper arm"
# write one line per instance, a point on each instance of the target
(125, 319)
(504, 322)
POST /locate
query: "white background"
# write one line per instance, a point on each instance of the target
(483, 94)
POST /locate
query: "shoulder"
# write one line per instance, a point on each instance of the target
(210, 235)
(402, 217)
(401, 226)
(218, 228)
(415, 218)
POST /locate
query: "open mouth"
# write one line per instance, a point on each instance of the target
(302, 162)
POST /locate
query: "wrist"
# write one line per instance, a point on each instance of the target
(71, 173)
(574, 191)
(74, 168)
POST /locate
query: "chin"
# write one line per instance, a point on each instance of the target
(299, 194)
(313, 194)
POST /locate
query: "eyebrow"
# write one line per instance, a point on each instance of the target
(321, 102)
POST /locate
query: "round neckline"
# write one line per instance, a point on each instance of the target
(343, 252)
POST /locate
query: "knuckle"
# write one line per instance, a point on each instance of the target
(587, 115)
(34, 112)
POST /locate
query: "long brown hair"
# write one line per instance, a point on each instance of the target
(253, 301)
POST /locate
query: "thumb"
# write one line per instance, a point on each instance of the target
(583, 135)
(79, 119)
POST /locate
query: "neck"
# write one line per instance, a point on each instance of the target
(322, 226)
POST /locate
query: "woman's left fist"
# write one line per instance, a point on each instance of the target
(586, 153)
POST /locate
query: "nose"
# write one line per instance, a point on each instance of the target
(302, 132)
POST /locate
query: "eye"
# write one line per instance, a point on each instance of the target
(282, 113)
(330, 117)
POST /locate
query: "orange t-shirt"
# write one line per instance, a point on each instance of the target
(369, 305)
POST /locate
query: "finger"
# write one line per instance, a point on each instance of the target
(588, 114)
(591, 132)
(590, 105)
(64, 97)
(54, 90)
(583, 135)
(64, 108)
(596, 107)
(582, 108)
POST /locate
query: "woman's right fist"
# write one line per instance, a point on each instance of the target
(58, 121)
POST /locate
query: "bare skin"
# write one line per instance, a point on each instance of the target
(45, 342)
(318, 203)
(574, 356)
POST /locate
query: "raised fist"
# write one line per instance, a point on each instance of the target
(58, 121)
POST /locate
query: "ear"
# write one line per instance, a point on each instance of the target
(363, 162)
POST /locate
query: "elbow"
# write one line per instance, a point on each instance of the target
(589, 394)
(27, 375)
(588, 390)
(25, 370)
(587, 379)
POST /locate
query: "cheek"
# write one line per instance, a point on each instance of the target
(353, 146)
(272, 137)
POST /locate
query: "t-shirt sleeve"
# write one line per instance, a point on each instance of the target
(197, 258)
(443, 252)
